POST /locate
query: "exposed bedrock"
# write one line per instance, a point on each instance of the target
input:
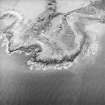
(56, 40)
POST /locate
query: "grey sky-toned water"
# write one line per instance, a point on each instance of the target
(18, 86)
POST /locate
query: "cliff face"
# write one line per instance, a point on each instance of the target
(61, 36)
